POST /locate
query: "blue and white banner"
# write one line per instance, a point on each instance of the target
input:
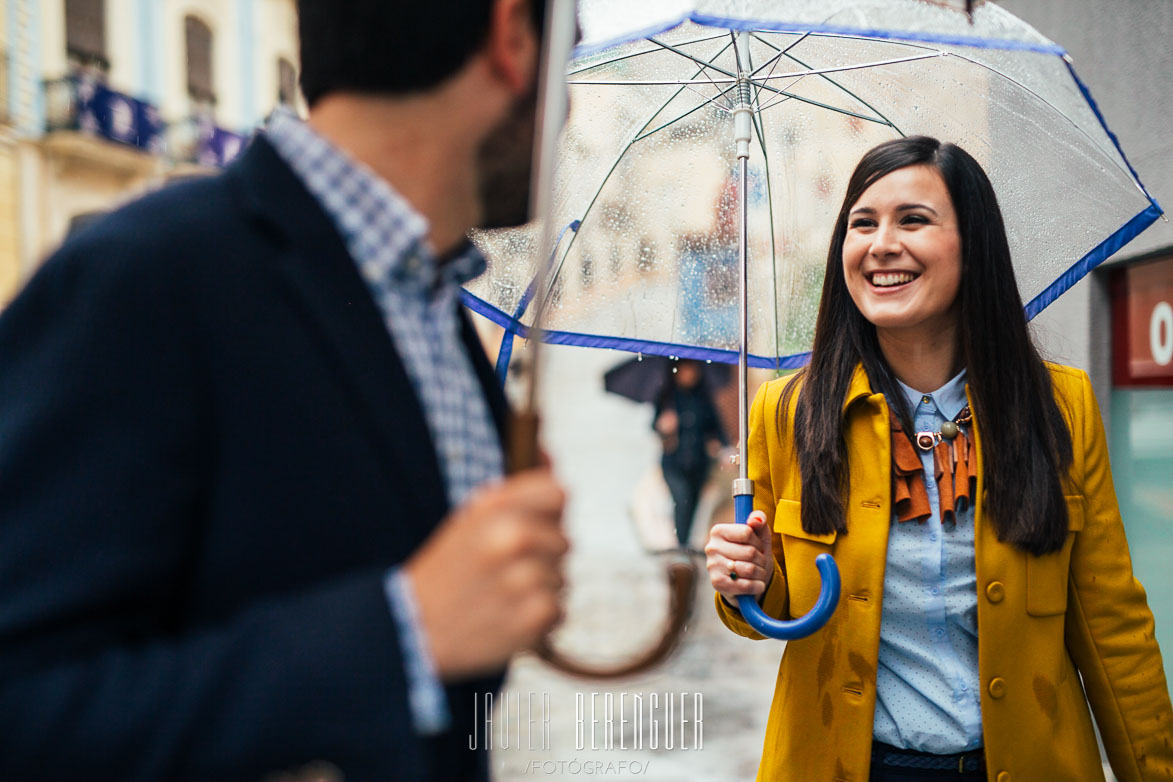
(214, 145)
(117, 117)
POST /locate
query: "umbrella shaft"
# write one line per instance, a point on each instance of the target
(743, 307)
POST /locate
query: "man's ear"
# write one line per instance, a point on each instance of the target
(512, 44)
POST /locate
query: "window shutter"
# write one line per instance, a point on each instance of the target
(199, 59)
(85, 29)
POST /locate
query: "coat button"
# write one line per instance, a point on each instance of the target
(996, 591)
(1004, 776)
(997, 688)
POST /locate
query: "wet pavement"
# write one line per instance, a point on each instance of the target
(602, 446)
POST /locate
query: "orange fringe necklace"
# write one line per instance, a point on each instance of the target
(953, 469)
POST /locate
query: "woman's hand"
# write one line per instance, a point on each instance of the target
(743, 549)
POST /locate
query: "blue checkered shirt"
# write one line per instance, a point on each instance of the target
(419, 299)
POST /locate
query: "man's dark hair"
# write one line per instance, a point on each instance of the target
(1025, 445)
(389, 46)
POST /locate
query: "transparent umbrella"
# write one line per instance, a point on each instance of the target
(709, 144)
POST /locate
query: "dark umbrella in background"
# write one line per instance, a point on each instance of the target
(642, 378)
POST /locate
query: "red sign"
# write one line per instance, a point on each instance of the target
(1142, 324)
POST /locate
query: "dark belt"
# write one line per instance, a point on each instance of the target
(894, 757)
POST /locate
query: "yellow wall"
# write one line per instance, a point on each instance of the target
(10, 264)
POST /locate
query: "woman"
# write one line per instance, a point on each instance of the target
(691, 434)
(960, 483)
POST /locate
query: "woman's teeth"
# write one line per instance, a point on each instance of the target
(888, 279)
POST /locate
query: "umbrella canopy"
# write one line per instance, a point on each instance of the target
(706, 155)
(642, 379)
(647, 193)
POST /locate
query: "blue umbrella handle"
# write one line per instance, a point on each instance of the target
(805, 625)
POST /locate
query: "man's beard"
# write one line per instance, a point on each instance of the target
(505, 164)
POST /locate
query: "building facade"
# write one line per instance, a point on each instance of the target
(1118, 322)
(103, 100)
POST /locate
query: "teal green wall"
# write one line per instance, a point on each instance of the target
(1142, 466)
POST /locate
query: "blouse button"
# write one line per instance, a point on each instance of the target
(996, 591)
(997, 687)
(926, 399)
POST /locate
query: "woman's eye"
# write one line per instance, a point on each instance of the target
(862, 222)
(914, 219)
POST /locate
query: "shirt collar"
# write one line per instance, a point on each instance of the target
(949, 398)
(386, 236)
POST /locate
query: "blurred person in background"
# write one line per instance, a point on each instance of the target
(253, 516)
(691, 435)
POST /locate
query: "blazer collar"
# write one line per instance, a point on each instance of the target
(319, 275)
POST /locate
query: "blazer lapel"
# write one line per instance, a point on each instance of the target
(321, 277)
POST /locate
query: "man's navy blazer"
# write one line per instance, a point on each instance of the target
(210, 455)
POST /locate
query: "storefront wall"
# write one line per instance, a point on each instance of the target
(1117, 49)
(1142, 425)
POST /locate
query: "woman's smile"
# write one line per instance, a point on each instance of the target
(902, 252)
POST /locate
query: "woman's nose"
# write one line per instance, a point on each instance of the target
(885, 241)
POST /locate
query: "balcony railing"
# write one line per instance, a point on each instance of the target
(85, 104)
(199, 140)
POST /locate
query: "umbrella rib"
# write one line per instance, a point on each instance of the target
(642, 136)
(708, 100)
(758, 35)
(796, 74)
(845, 36)
(1053, 108)
(859, 67)
(614, 60)
(773, 63)
(704, 70)
(705, 66)
(786, 53)
(820, 104)
(556, 272)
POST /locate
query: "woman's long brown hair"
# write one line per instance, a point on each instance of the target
(1025, 442)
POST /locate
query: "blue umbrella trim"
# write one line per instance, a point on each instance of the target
(1102, 252)
(895, 35)
(669, 349)
(505, 352)
(1095, 107)
(585, 50)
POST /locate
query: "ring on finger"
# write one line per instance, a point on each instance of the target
(732, 571)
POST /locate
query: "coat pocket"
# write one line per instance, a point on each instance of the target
(799, 549)
(1046, 576)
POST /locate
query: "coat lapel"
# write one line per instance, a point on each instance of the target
(318, 272)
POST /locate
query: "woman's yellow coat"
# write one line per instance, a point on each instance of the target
(1042, 621)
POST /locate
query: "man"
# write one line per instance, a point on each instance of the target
(251, 507)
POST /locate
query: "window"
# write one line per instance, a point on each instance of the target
(198, 37)
(85, 31)
(286, 83)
